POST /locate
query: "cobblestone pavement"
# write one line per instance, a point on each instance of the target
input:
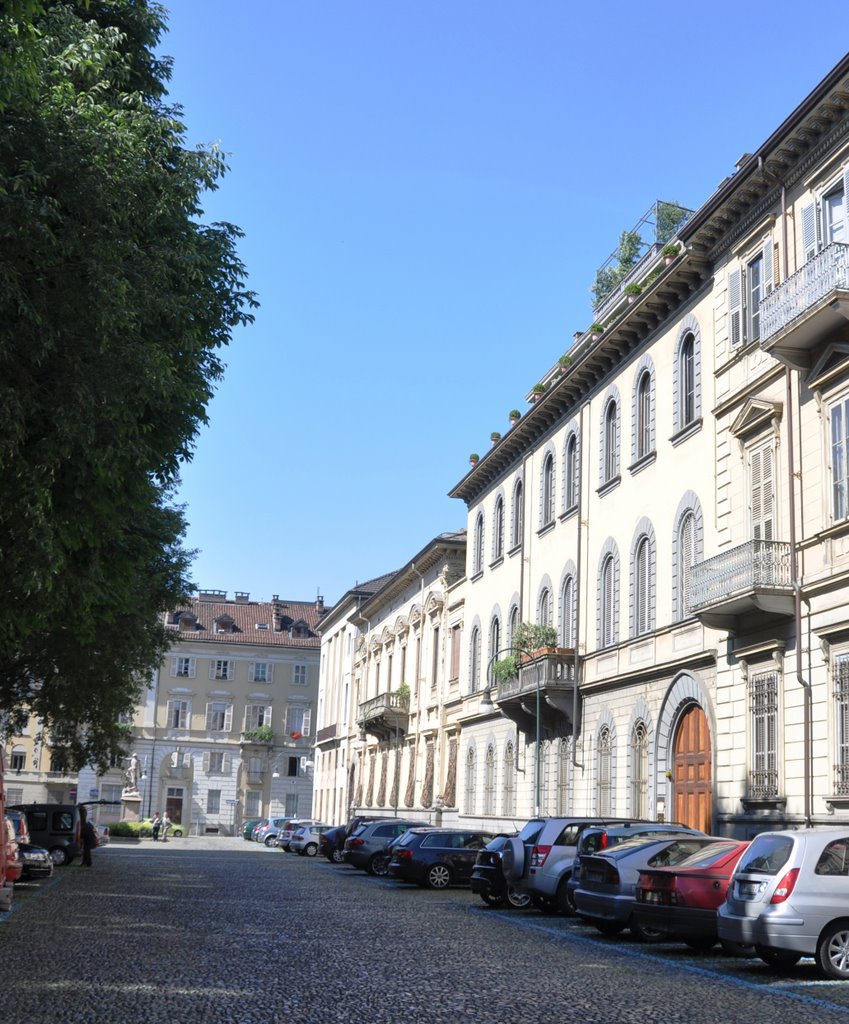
(220, 930)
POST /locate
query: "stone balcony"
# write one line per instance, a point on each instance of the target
(385, 715)
(807, 308)
(750, 582)
(544, 691)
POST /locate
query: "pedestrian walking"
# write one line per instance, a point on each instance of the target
(88, 835)
(166, 824)
(156, 825)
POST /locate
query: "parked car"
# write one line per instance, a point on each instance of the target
(332, 844)
(488, 879)
(305, 840)
(681, 901)
(248, 825)
(597, 838)
(606, 894)
(35, 861)
(365, 844)
(540, 858)
(146, 829)
(56, 827)
(267, 830)
(284, 835)
(437, 857)
(788, 898)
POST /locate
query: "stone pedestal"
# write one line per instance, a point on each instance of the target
(131, 805)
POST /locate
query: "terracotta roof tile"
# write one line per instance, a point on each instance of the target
(253, 622)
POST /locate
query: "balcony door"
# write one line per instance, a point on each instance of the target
(762, 492)
(692, 787)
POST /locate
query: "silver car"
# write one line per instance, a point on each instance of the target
(789, 898)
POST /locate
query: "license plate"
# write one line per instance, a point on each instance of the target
(749, 890)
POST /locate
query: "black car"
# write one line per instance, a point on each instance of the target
(437, 857)
(36, 862)
(332, 844)
(488, 879)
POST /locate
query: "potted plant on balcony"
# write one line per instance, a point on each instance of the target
(474, 459)
(532, 639)
(262, 734)
(632, 290)
(506, 668)
(669, 252)
(403, 695)
(596, 331)
(495, 437)
(514, 417)
(537, 391)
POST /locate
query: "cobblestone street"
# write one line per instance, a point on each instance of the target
(219, 930)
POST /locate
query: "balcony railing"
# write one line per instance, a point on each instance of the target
(799, 305)
(385, 714)
(545, 684)
(754, 576)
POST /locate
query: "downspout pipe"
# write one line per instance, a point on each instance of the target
(796, 583)
(578, 587)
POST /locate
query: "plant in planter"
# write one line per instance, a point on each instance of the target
(495, 437)
(474, 459)
(505, 669)
(403, 694)
(669, 252)
(632, 291)
(537, 391)
(564, 361)
(533, 636)
(597, 329)
(515, 416)
(262, 734)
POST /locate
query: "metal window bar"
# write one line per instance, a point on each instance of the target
(763, 707)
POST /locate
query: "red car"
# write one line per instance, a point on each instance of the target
(681, 901)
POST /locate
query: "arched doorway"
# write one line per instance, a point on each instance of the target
(692, 790)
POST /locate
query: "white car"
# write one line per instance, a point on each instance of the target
(285, 834)
(305, 841)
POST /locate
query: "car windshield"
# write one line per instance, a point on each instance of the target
(767, 854)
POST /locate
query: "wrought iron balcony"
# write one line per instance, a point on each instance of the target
(807, 307)
(752, 580)
(386, 715)
(545, 688)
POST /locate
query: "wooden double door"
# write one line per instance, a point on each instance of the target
(692, 782)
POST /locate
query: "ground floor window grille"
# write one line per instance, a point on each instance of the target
(763, 708)
(841, 711)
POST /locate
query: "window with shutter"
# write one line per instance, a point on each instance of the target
(571, 472)
(606, 602)
(547, 491)
(809, 231)
(735, 308)
(839, 420)
(475, 660)
(477, 563)
(641, 588)
(567, 605)
(518, 515)
(498, 529)
(605, 773)
(762, 492)
(644, 417)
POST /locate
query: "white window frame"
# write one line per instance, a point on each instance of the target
(762, 496)
(838, 420)
(221, 668)
(178, 708)
(183, 667)
(300, 674)
(261, 672)
(219, 711)
(257, 716)
(295, 712)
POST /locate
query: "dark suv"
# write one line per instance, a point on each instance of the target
(437, 857)
(56, 827)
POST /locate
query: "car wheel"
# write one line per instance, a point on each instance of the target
(645, 933)
(337, 857)
(513, 859)
(439, 876)
(517, 898)
(271, 840)
(777, 957)
(565, 899)
(492, 901)
(177, 832)
(608, 927)
(310, 850)
(59, 856)
(833, 952)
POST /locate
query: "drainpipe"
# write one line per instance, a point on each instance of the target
(578, 578)
(796, 583)
(419, 687)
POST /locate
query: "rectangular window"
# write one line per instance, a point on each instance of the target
(183, 668)
(434, 676)
(15, 795)
(260, 672)
(290, 805)
(299, 675)
(221, 668)
(257, 716)
(298, 720)
(177, 714)
(754, 295)
(839, 456)
(761, 479)
(213, 801)
(456, 641)
(19, 760)
(841, 725)
(292, 769)
(110, 791)
(216, 762)
(253, 803)
(763, 709)
(219, 716)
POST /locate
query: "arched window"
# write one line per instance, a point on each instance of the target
(477, 557)
(642, 595)
(686, 558)
(563, 778)
(518, 526)
(604, 773)
(567, 612)
(645, 443)
(547, 491)
(475, 660)
(610, 443)
(471, 768)
(509, 780)
(494, 636)
(570, 481)
(687, 380)
(513, 624)
(498, 529)
(544, 613)
(607, 606)
(489, 781)
(640, 771)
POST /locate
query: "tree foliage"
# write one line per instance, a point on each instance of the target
(115, 300)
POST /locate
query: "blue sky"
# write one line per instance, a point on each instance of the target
(427, 190)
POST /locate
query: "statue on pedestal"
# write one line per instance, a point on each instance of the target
(132, 774)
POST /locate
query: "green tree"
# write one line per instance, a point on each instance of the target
(115, 300)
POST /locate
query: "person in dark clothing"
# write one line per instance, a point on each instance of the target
(156, 825)
(88, 835)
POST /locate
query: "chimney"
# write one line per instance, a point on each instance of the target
(242, 597)
(319, 604)
(277, 613)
